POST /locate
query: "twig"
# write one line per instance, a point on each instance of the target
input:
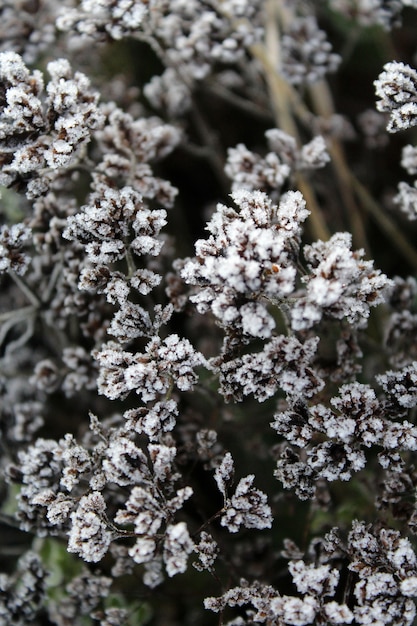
(403, 246)
(240, 103)
(323, 104)
(282, 102)
(24, 287)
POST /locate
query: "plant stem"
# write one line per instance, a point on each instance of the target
(323, 105)
(282, 101)
(397, 238)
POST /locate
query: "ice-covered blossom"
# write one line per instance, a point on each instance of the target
(177, 547)
(77, 462)
(396, 88)
(12, 240)
(247, 506)
(40, 133)
(23, 593)
(409, 159)
(168, 92)
(224, 474)
(90, 536)
(112, 216)
(162, 458)
(401, 385)
(129, 147)
(153, 421)
(164, 363)
(381, 559)
(406, 198)
(312, 155)
(284, 363)
(356, 421)
(207, 551)
(306, 54)
(38, 471)
(383, 564)
(295, 611)
(194, 37)
(248, 170)
(249, 252)
(115, 19)
(340, 284)
(256, 594)
(148, 512)
(102, 203)
(320, 580)
(28, 28)
(125, 463)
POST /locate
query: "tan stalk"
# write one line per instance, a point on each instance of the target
(322, 101)
(282, 99)
(395, 236)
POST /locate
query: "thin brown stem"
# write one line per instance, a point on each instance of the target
(323, 104)
(396, 237)
(283, 101)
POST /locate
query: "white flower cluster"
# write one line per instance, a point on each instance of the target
(12, 240)
(42, 133)
(284, 363)
(147, 513)
(248, 506)
(249, 254)
(384, 564)
(89, 536)
(106, 17)
(193, 37)
(306, 54)
(396, 88)
(340, 284)
(113, 460)
(255, 345)
(150, 374)
(23, 593)
(372, 12)
(355, 422)
(105, 224)
(401, 386)
(27, 28)
(128, 147)
(407, 194)
(248, 170)
(317, 583)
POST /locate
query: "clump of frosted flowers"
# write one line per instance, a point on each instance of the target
(169, 403)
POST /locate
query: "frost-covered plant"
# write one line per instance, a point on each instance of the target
(208, 388)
